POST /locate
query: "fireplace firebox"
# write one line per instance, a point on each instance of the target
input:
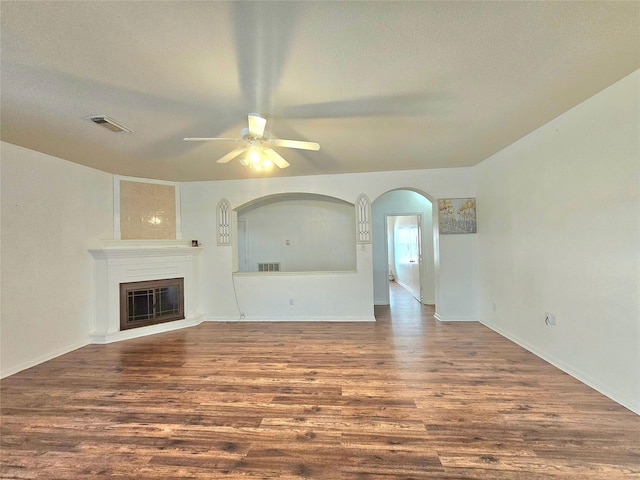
(151, 302)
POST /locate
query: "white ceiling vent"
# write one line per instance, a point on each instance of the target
(109, 123)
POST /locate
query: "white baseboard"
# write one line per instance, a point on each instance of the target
(293, 319)
(42, 358)
(442, 318)
(104, 338)
(415, 294)
(607, 390)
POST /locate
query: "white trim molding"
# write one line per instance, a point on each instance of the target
(43, 358)
(441, 318)
(279, 319)
(632, 404)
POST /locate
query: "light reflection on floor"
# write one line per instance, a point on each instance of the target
(410, 321)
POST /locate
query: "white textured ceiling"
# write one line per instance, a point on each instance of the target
(380, 85)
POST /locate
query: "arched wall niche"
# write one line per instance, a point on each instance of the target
(296, 232)
(287, 195)
(398, 201)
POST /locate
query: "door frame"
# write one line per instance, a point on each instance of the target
(418, 215)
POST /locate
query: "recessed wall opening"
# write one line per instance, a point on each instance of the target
(297, 232)
(151, 302)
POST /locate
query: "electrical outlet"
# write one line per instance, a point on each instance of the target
(291, 301)
(494, 307)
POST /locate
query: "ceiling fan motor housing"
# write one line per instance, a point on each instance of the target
(245, 134)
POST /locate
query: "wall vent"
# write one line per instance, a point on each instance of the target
(269, 267)
(109, 123)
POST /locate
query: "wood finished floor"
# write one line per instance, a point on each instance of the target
(405, 397)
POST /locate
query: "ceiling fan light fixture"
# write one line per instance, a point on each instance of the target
(258, 146)
(256, 159)
(254, 156)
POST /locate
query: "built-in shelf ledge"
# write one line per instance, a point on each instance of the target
(140, 252)
(143, 248)
(301, 273)
(110, 244)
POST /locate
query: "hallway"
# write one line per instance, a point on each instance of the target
(403, 302)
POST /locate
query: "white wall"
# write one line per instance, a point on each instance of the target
(559, 232)
(456, 277)
(302, 232)
(406, 202)
(308, 296)
(52, 212)
(199, 200)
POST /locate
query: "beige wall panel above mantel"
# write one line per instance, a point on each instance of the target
(147, 211)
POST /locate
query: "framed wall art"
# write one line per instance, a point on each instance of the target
(457, 215)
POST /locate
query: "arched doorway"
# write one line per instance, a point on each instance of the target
(403, 203)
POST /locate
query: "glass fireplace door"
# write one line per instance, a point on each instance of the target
(150, 302)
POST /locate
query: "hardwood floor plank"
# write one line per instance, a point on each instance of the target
(405, 397)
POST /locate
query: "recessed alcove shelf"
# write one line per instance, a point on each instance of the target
(123, 261)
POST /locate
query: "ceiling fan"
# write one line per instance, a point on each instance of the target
(257, 143)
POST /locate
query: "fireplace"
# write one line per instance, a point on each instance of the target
(134, 264)
(151, 302)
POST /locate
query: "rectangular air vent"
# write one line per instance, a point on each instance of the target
(109, 123)
(269, 267)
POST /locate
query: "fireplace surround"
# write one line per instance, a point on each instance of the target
(124, 262)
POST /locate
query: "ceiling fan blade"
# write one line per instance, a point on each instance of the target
(232, 154)
(207, 139)
(256, 125)
(279, 142)
(275, 157)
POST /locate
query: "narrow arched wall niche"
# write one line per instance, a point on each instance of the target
(223, 219)
(296, 232)
(363, 219)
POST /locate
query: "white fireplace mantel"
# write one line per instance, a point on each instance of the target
(124, 261)
(115, 253)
